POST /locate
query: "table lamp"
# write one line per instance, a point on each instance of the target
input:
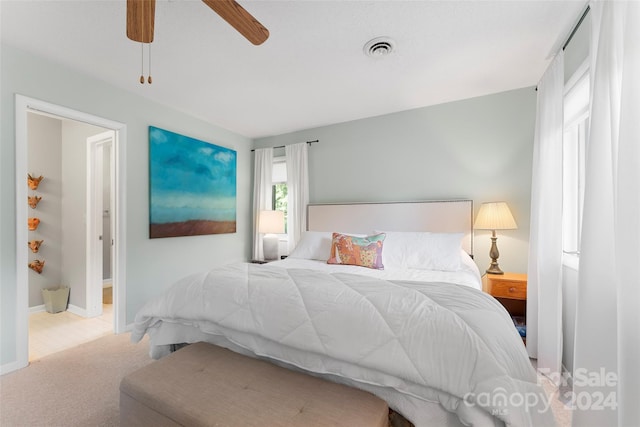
(270, 223)
(494, 216)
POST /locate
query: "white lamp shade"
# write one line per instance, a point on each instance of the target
(271, 222)
(495, 216)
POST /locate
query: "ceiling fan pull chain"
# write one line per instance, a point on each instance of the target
(141, 63)
(149, 79)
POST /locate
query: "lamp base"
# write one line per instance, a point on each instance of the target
(494, 254)
(270, 246)
(494, 269)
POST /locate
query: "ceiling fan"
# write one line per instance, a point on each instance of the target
(141, 17)
(140, 20)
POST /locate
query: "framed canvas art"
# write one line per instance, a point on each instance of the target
(192, 186)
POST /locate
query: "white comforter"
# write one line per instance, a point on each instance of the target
(431, 341)
(467, 275)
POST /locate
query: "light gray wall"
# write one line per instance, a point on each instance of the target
(152, 265)
(43, 158)
(479, 148)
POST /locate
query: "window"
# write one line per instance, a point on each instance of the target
(279, 188)
(576, 124)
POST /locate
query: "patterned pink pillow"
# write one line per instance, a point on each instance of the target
(361, 251)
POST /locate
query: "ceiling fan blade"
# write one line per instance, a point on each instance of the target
(240, 19)
(140, 19)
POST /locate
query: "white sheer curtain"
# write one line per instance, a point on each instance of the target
(608, 301)
(298, 191)
(544, 301)
(262, 173)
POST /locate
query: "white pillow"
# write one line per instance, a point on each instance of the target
(313, 245)
(422, 250)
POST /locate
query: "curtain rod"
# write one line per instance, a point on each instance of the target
(573, 32)
(282, 146)
(575, 29)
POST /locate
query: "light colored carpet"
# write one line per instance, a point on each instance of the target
(80, 386)
(561, 411)
(75, 387)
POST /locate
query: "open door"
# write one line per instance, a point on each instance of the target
(99, 207)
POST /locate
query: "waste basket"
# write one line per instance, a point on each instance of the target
(55, 300)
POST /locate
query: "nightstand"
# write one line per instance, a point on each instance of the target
(266, 261)
(511, 290)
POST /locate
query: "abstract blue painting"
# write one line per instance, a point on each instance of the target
(192, 186)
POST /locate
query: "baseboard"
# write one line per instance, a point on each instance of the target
(36, 308)
(10, 367)
(77, 310)
(70, 308)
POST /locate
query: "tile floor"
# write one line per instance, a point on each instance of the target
(50, 333)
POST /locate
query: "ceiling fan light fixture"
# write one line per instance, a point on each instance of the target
(379, 47)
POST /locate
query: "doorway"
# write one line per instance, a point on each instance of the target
(100, 284)
(103, 153)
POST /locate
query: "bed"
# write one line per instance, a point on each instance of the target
(408, 324)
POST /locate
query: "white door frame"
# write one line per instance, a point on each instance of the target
(24, 105)
(96, 151)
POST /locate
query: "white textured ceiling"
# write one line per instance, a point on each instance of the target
(312, 70)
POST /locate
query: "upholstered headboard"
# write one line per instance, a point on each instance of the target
(443, 216)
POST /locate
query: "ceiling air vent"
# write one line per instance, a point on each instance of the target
(379, 47)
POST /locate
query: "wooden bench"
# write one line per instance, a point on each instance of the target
(206, 385)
